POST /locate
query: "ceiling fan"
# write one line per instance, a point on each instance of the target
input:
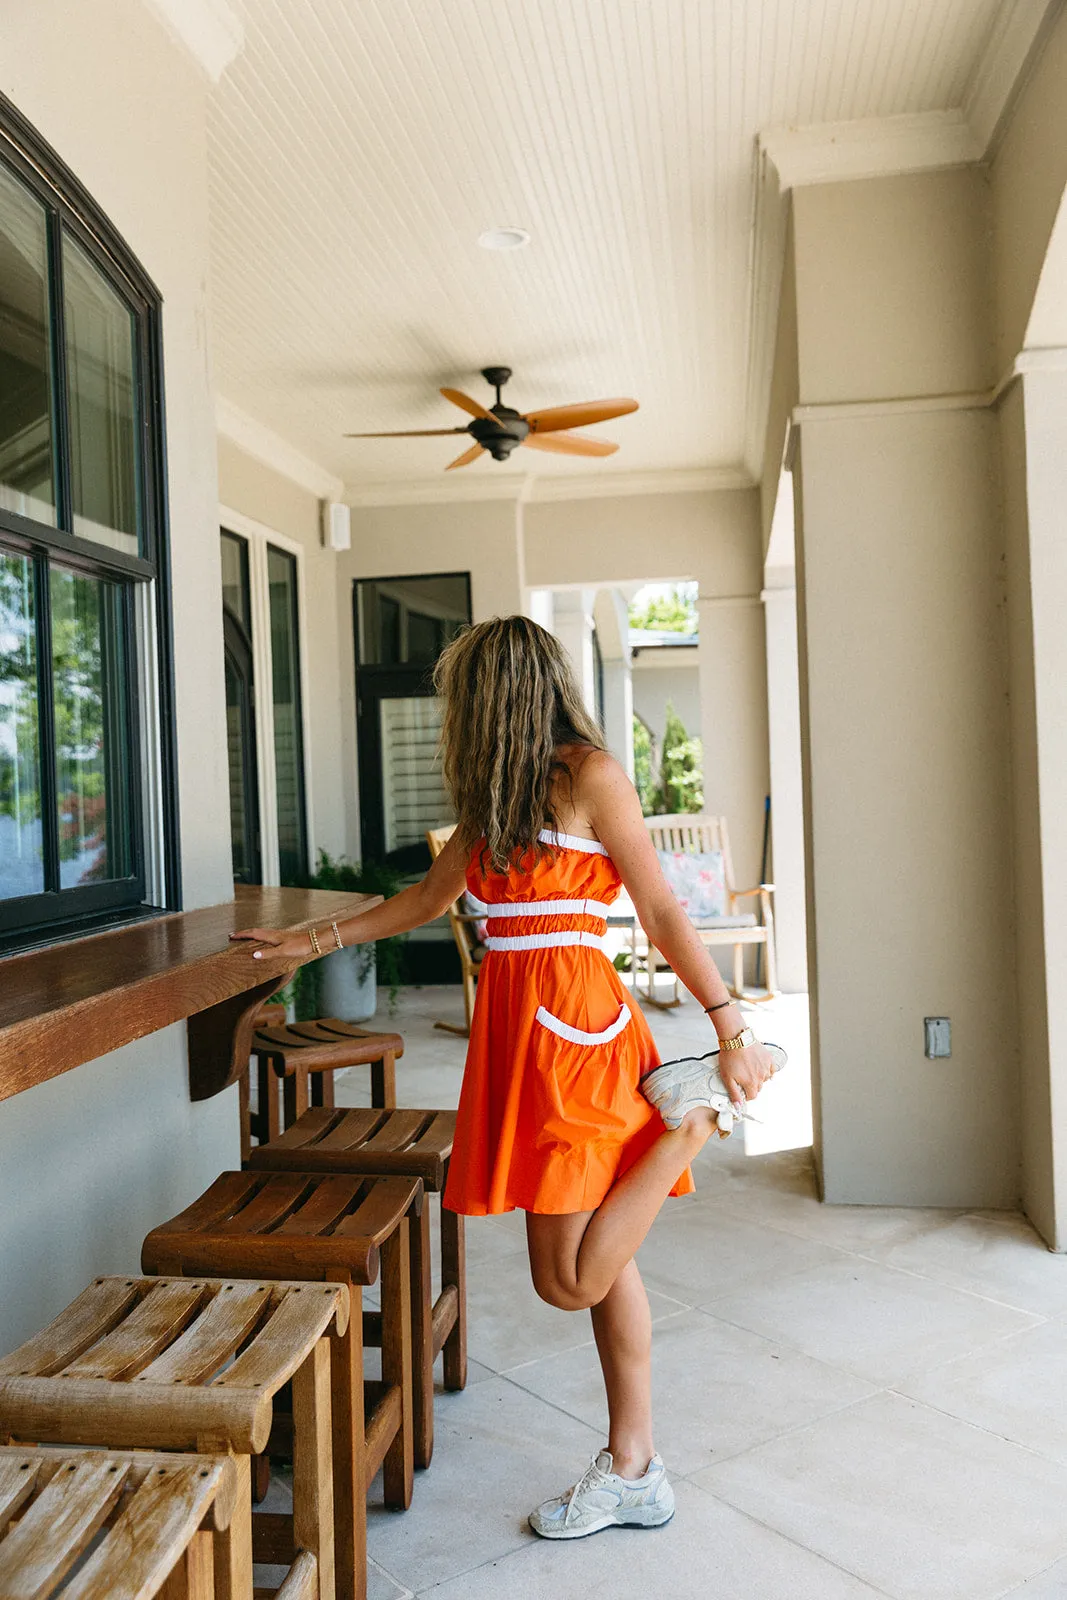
(499, 430)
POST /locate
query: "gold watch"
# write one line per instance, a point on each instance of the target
(740, 1041)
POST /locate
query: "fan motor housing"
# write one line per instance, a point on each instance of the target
(503, 436)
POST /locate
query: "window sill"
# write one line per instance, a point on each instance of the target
(81, 999)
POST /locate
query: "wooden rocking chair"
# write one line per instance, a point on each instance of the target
(462, 924)
(700, 834)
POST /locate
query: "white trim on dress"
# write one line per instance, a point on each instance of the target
(578, 1035)
(571, 841)
(544, 941)
(546, 908)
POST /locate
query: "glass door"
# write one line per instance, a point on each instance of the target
(240, 712)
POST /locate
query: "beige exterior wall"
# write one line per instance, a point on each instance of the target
(904, 693)
(256, 491)
(92, 1160)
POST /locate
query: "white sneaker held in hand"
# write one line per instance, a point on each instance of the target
(678, 1087)
(601, 1499)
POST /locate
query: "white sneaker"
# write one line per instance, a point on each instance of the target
(678, 1087)
(601, 1499)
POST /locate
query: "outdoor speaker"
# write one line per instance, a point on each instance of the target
(336, 525)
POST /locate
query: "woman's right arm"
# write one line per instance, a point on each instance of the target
(422, 902)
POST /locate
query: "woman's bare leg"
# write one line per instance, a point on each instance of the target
(622, 1326)
(575, 1259)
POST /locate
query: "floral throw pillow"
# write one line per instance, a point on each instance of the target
(697, 880)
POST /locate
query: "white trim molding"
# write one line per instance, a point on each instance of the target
(529, 489)
(268, 447)
(836, 152)
(210, 30)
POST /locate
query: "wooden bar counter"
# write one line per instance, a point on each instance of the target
(73, 1002)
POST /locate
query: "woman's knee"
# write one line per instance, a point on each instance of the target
(564, 1296)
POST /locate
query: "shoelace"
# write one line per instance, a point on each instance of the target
(586, 1481)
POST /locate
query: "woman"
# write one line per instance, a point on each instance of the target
(562, 1112)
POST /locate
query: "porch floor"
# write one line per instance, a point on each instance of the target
(850, 1401)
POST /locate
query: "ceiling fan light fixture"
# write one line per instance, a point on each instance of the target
(504, 239)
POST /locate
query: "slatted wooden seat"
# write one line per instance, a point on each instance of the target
(195, 1364)
(152, 1519)
(341, 1229)
(298, 1060)
(417, 1144)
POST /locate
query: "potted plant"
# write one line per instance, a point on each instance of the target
(345, 983)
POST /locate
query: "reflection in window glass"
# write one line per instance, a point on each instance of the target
(413, 789)
(288, 747)
(408, 621)
(21, 858)
(92, 766)
(100, 335)
(25, 361)
(235, 579)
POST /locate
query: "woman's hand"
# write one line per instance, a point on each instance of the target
(278, 944)
(744, 1072)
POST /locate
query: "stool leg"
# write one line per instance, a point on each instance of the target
(192, 1577)
(422, 1336)
(322, 1089)
(245, 1113)
(233, 1547)
(269, 1120)
(454, 1271)
(396, 1362)
(383, 1083)
(295, 1094)
(349, 1431)
(313, 1464)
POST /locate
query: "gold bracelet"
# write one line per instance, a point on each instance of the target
(337, 936)
(313, 936)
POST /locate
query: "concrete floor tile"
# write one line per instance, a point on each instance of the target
(1016, 1388)
(717, 1389)
(999, 1255)
(881, 1324)
(498, 1452)
(918, 1504)
(708, 1550)
(701, 1252)
(1048, 1585)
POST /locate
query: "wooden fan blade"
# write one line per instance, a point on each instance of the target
(466, 458)
(465, 403)
(406, 433)
(570, 444)
(557, 417)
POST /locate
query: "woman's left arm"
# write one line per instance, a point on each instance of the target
(610, 800)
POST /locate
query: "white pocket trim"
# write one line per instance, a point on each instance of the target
(578, 1035)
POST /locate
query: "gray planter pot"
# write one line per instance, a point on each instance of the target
(348, 984)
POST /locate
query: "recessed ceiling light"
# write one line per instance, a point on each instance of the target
(503, 239)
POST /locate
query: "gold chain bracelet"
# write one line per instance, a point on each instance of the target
(337, 936)
(313, 936)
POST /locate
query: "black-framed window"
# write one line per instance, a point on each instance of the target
(87, 764)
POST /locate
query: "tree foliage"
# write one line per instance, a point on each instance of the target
(673, 612)
(674, 783)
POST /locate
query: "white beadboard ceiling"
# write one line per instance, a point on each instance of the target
(359, 147)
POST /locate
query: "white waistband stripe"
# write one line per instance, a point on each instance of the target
(571, 841)
(578, 1035)
(543, 941)
(547, 908)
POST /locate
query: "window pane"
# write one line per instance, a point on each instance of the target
(413, 790)
(25, 359)
(100, 366)
(235, 579)
(288, 726)
(21, 860)
(92, 752)
(408, 621)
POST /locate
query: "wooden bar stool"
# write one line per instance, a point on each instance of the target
(152, 1518)
(416, 1144)
(180, 1364)
(339, 1229)
(304, 1056)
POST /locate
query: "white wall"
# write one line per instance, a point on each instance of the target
(654, 685)
(91, 1160)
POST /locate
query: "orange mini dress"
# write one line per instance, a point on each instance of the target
(551, 1110)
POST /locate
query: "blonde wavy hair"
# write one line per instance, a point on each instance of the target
(510, 702)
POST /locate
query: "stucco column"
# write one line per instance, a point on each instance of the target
(572, 623)
(787, 804)
(733, 722)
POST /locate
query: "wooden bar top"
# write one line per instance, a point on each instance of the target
(73, 1002)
